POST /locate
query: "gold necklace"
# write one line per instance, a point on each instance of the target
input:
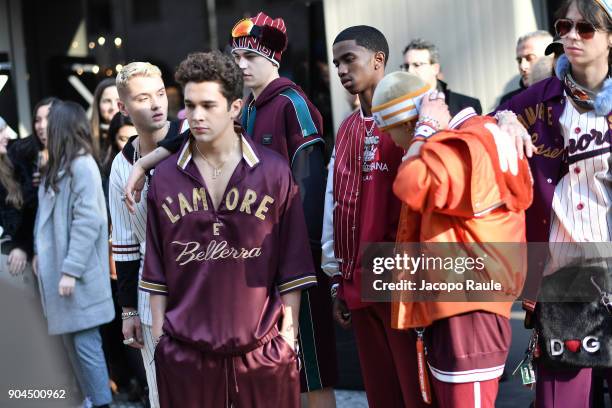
(216, 169)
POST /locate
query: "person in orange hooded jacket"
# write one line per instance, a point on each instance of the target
(461, 181)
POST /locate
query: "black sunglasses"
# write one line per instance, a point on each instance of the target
(585, 30)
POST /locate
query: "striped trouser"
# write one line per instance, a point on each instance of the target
(147, 357)
(317, 339)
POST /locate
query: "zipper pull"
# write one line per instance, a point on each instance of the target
(604, 296)
(422, 367)
(525, 366)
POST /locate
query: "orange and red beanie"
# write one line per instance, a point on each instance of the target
(262, 35)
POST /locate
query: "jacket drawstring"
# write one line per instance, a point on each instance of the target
(226, 361)
(227, 397)
(234, 374)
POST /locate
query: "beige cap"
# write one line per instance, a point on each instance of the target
(397, 99)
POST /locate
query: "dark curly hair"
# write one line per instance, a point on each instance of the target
(213, 66)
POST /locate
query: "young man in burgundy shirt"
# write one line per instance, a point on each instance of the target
(364, 209)
(227, 256)
(277, 114)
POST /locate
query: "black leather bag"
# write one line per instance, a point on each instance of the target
(574, 318)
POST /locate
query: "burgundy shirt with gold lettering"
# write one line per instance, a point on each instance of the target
(224, 270)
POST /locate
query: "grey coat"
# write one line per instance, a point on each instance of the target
(71, 237)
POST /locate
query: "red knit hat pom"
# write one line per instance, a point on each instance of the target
(273, 38)
(262, 34)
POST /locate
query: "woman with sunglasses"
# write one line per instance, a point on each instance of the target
(567, 117)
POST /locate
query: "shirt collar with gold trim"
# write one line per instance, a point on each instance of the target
(249, 154)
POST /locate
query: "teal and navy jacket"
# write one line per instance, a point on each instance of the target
(283, 119)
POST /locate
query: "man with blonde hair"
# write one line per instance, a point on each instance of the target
(143, 98)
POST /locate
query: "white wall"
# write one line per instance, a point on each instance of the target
(476, 38)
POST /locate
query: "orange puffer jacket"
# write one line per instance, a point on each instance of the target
(454, 191)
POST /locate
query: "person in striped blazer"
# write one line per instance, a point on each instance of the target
(143, 99)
